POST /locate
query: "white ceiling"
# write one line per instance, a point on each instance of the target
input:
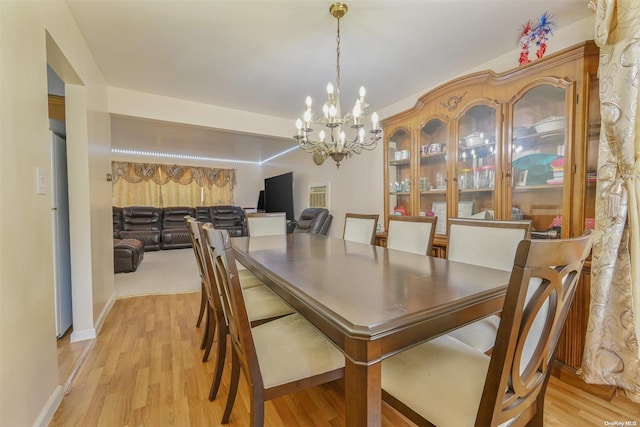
(267, 56)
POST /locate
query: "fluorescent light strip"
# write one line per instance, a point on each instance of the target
(279, 154)
(192, 157)
(180, 156)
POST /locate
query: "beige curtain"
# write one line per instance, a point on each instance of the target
(147, 184)
(611, 354)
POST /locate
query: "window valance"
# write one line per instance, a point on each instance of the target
(162, 174)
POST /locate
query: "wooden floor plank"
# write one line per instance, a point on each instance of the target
(145, 369)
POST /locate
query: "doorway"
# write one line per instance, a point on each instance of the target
(59, 206)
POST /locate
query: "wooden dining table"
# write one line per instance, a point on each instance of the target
(372, 302)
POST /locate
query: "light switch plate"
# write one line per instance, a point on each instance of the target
(40, 181)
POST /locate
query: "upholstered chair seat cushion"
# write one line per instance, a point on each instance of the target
(262, 303)
(290, 349)
(248, 279)
(480, 335)
(442, 380)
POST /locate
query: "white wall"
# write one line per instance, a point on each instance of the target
(568, 36)
(31, 35)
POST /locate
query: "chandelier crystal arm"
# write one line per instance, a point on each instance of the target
(339, 144)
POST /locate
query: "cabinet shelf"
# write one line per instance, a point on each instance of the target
(463, 147)
(436, 191)
(556, 187)
(403, 162)
(476, 190)
(399, 193)
(427, 157)
(552, 136)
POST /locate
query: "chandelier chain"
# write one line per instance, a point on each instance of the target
(338, 59)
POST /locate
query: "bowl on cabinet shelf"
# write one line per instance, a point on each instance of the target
(549, 124)
(474, 138)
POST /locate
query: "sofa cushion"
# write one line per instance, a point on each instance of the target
(173, 217)
(127, 255)
(142, 218)
(230, 218)
(149, 238)
(202, 214)
(174, 238)
(117, 222)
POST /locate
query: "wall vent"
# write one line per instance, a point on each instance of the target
(319, 196)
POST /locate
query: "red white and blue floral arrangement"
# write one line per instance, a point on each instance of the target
(536, 33)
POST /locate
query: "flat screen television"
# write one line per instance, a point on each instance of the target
(260, 207)
(278, 194)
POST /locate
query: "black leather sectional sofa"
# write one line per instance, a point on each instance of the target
(165, 228)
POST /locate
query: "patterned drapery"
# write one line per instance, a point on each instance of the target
(162, 174)
(611, 354)
(159, 185)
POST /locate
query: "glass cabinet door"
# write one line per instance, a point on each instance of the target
(538, 166)
(399, 173)
(432, 175)
(476, 157)
(593, 143)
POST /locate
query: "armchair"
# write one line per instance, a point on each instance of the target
(314, 220)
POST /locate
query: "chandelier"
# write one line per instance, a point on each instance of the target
(345, 135)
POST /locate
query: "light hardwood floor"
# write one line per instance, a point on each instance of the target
(145, 369)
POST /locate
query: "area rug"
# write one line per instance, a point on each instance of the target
(170, 271)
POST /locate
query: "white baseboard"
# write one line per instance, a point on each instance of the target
(50, 408)
(82, 335)
(105, 312)
(89, 334)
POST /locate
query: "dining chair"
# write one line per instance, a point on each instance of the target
(266, 224)
(280, 357)
(360, 228)
(199, 262)
(488, 243)
(264, 304)
(446, 382)
(411, 233)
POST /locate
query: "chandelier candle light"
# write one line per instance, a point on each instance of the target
(337, 144)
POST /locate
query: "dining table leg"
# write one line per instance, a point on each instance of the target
(363, 394)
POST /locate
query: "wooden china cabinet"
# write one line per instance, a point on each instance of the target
(516, 145)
